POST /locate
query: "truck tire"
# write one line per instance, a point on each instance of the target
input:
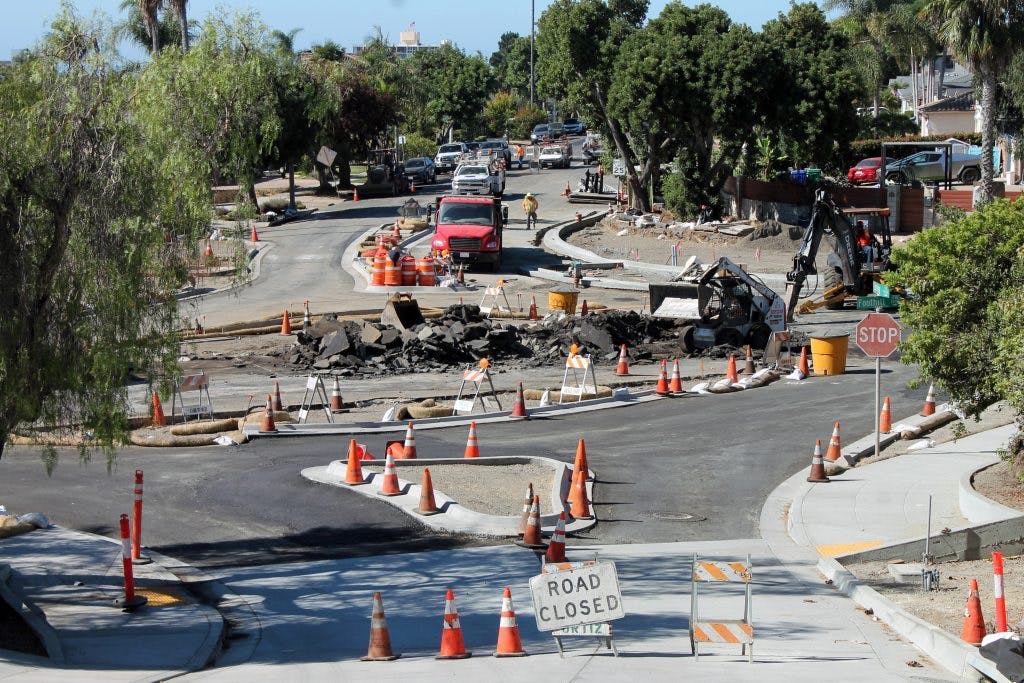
(970, 175)
(896, 177)
(833, 278)
(758, 336)
(686, 339)
(728, 336)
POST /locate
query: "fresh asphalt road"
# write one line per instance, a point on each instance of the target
(686, 469)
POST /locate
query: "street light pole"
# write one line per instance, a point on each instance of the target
(533, 24)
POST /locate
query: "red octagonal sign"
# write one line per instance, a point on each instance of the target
(878, 334)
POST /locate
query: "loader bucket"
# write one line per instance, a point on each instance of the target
(401, 311)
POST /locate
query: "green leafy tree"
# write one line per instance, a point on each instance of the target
(452, 88)
(967, 280)
(417, 145)
(359, 114)
(511, 64)
(99, 209)
(524, 120)
(984, 34)
(499, 112)
(136, 29)
(328, 51)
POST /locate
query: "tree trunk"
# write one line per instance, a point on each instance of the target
(984, 192)
(636, 189)
(154, 36)
(253, 198)
(942, 75)
(291, 186)
(183, 23)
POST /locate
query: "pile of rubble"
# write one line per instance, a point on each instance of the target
(462, 335)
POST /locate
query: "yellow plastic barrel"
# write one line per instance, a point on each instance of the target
(563, 300)
(829, 354)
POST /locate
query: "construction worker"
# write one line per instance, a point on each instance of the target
(520, 153)
(599, 179)
(530, 207)
(864, 241)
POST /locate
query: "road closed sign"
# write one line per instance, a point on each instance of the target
(582, 594)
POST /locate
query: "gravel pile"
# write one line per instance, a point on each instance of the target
(490, 489)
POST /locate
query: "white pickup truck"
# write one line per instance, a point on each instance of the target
(479, 176)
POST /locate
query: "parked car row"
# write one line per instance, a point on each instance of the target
(921, 166)
(545, 132)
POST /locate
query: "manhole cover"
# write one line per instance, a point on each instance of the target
(678, 516)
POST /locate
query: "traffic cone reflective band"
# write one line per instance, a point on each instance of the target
(509, 643)
(556, 548)
(267, 425)
(748, 368)
(731, 371)
(533, 309)
(158, 412)
(834, 449)
(623, 366)
(524, 519)
(253, 236)
(531, 537)
(974, 624)
(578, 500)
(803, 367)
(662, 388)
(354, 471)
(584, 309)
(409, 453)
(389, 483)
(580, 464)
(929, 402)
(675, 385)
(286, 324)
(277, 396)
(427, 504)
(472, 447)
(355, 194)
(885, 419)
(380, 639)
(452, 644)
(817, 466)
(336, 403)
(519, 407)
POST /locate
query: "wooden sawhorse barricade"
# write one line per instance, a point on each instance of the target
(582, 369)
(703, 629)
(199, 383)
(476, 377)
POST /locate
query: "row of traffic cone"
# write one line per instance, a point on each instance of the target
(453, 645)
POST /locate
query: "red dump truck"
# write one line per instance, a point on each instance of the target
(470, 228)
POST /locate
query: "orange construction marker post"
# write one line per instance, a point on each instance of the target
(137, 556)
(130, 601)
(997, 577)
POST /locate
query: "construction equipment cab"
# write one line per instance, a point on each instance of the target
(469, 228)
(852, 268)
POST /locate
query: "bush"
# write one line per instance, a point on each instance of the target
(417, 145)
(525, 119)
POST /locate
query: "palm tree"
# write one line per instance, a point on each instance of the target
(284, 43)
(135, 27)
(150, 10)
(181, 11)
(983, 34)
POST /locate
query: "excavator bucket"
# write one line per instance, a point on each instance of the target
(401, 311)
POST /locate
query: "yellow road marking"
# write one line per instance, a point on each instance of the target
(836, 549)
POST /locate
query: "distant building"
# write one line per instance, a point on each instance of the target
(408, 43)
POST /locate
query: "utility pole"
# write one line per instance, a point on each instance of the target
(533, 24)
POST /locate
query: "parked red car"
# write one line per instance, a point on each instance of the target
(866, 170)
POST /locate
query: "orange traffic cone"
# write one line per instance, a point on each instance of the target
(460, 277)
(509, 643)
(804, 369)
(397, 232)
(363, 453)
(286, 324)
(581, 464)
(380, 639)
(355, 194)
(556, 548)
(584, 309)
(158, 412)
(580, 503)
(389, 483)
(885, 418)
(623, 367)
(337, 405)
(929, 402)
(472, 447)
(209, 250)
(412, 187)
(277, 396)
(662, 387)
(731, 371)
(267, 425)
(409, 451)
(675, 385)
(253, 235)
(427, 504)
(525, 518)
(519, 407)
(533, 309)
(817, 474)
(973, 629)
(568, 190)
(834, 449)
(748, 368)
(354, 469)
(452, 644)
(531, 537)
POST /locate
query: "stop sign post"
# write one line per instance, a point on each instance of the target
(878, 335)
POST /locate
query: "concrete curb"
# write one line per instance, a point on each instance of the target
(32, 616)
(453, 517)
(945, 648)
(977, 508)
(865, 446)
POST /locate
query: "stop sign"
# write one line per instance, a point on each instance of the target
(877, 335)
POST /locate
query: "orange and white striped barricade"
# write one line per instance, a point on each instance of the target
(201, 385)
(705, 629)
(475, 378)
(583, 380)
(492, 294)
(551, 600)
(315, 389)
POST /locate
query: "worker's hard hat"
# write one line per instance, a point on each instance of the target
(529, 195)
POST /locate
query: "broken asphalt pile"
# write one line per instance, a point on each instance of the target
(462, 335)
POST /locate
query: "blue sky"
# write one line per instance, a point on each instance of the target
(473, 25)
